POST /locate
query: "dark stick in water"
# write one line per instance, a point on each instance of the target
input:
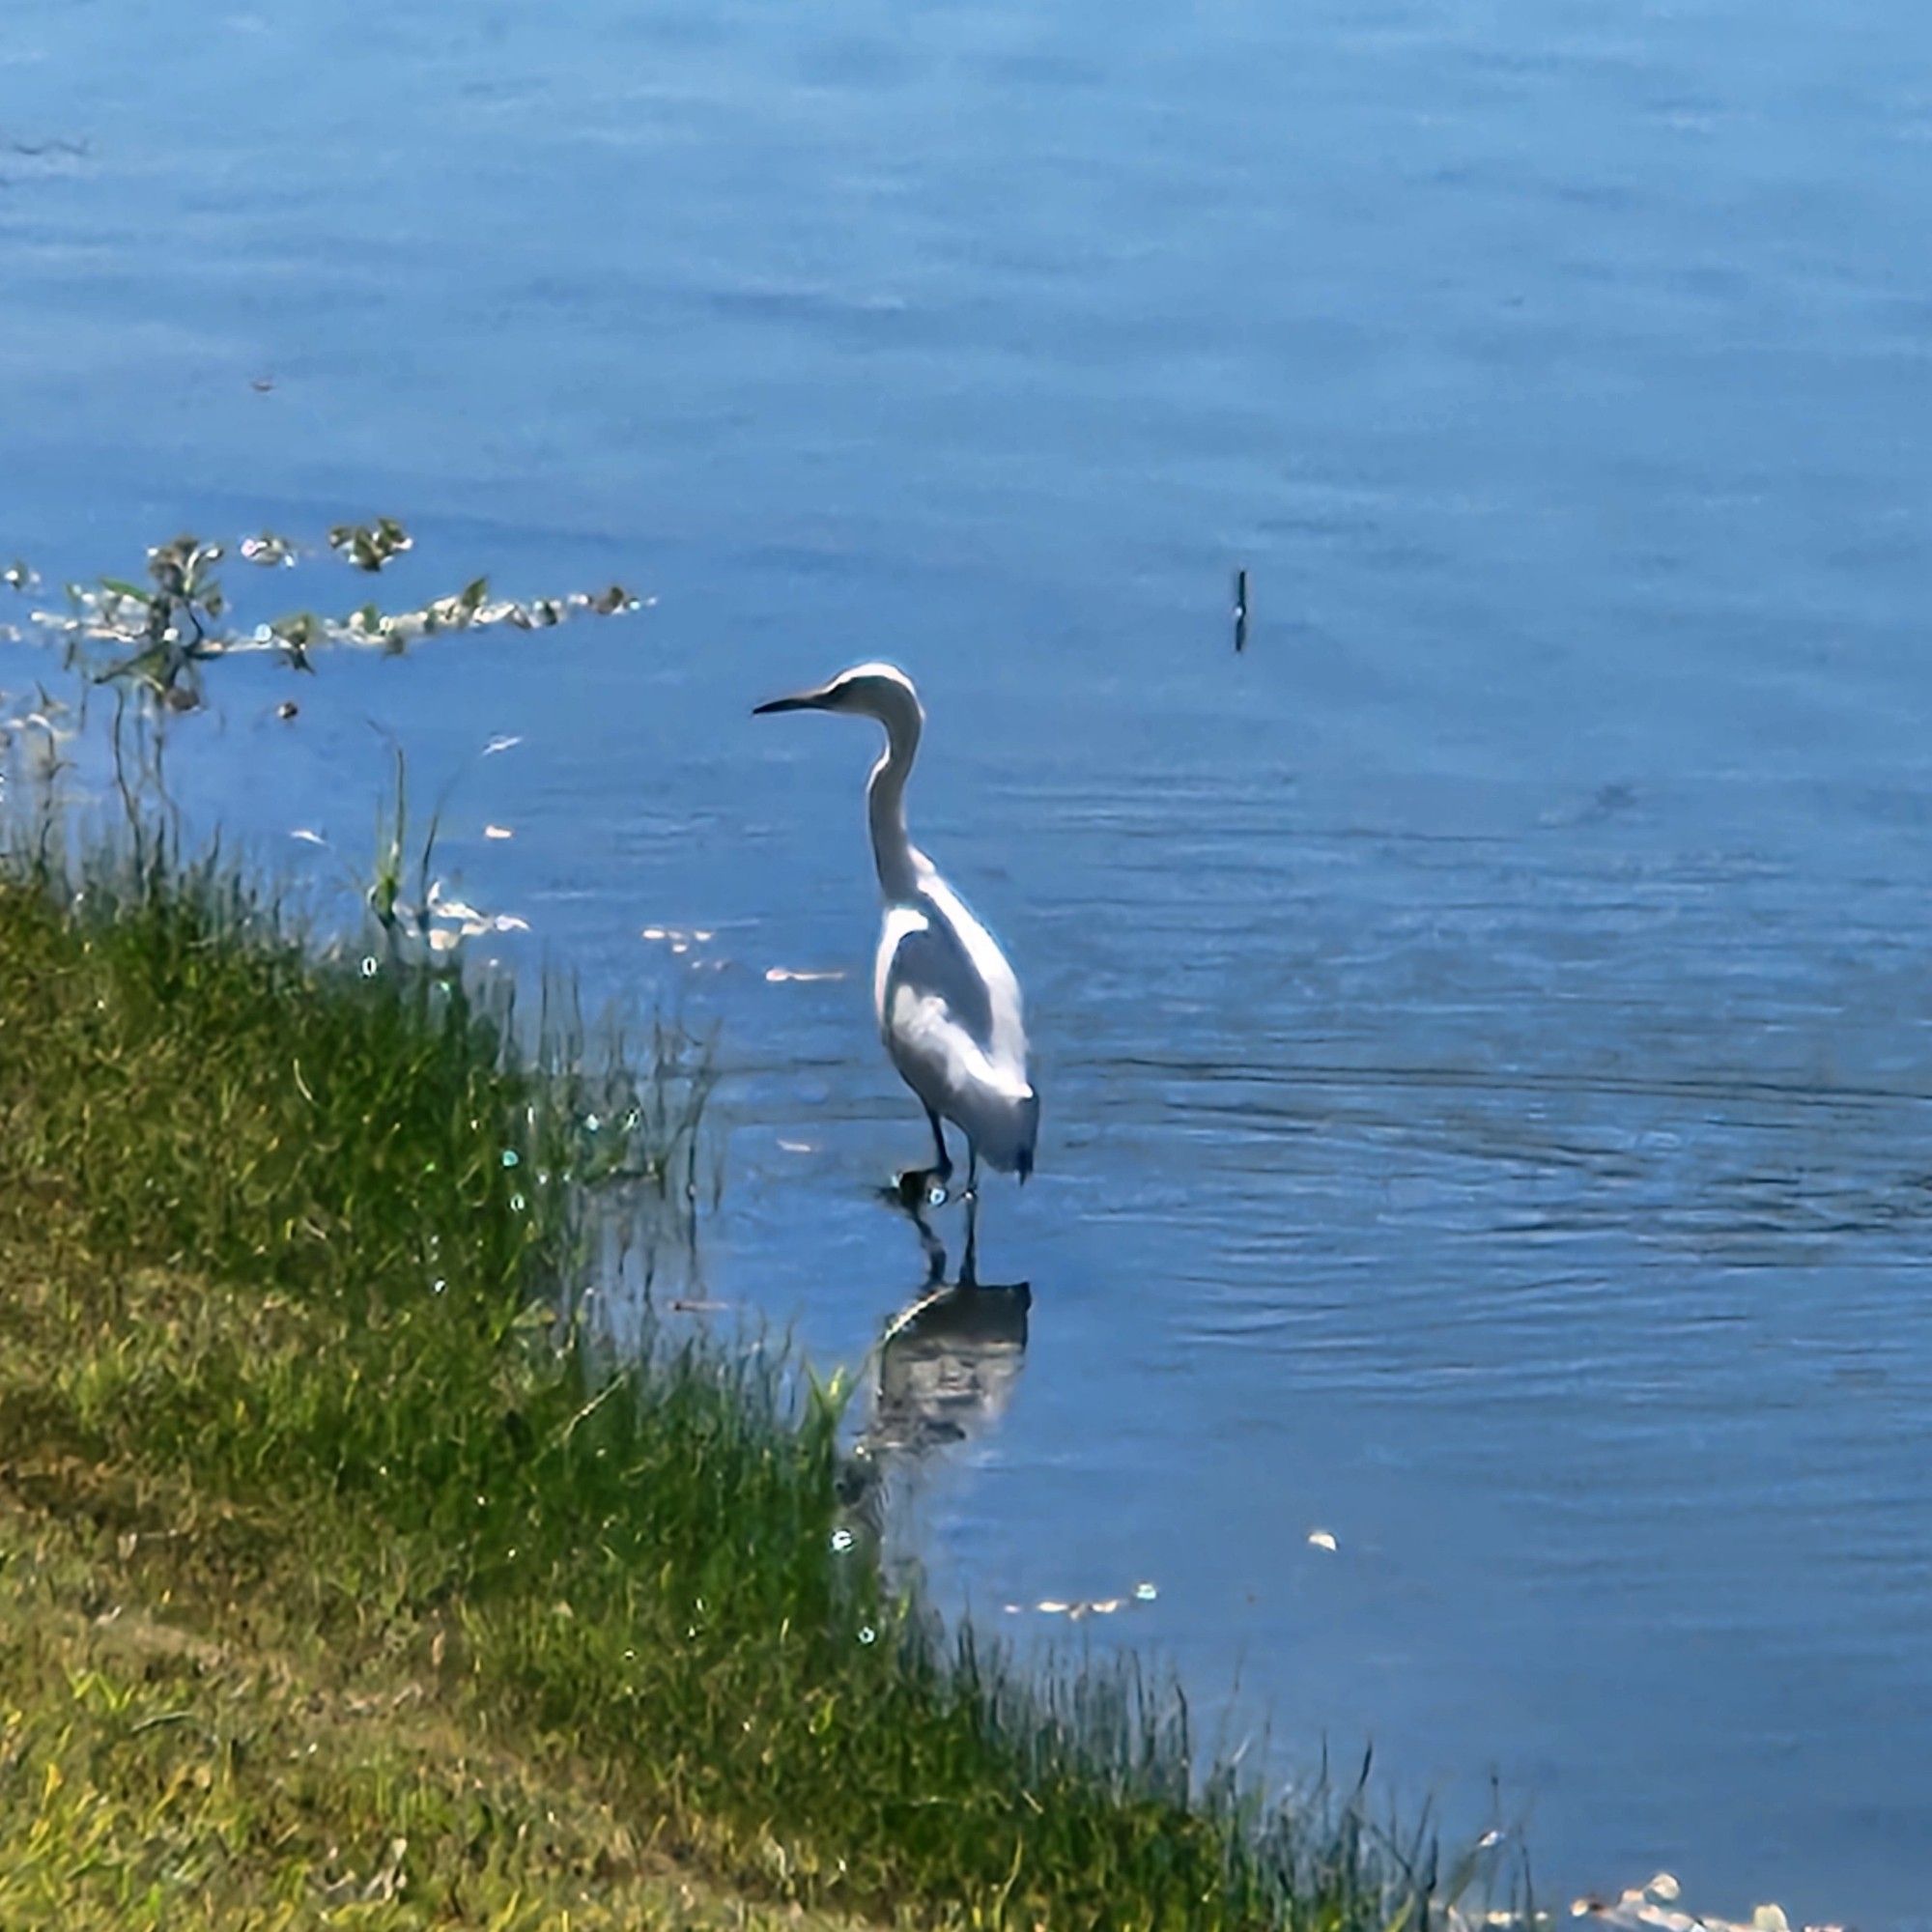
(1240, 610)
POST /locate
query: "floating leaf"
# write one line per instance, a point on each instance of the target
(370, 545)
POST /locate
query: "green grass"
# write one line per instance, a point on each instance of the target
(286, 1251)
(158, 1781)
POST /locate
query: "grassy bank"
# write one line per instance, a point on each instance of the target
(320, 1542)
(157, 1776)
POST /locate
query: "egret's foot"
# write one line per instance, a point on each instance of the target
(920, 1187)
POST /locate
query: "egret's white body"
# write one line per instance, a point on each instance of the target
(948, 1002)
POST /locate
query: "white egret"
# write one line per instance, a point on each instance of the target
(948, 1002)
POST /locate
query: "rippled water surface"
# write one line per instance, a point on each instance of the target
(1484, 1027)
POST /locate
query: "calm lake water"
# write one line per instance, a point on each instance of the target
(1485, 1028)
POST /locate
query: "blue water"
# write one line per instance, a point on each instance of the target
(1485, 1030)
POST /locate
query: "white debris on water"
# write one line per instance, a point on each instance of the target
(1077, 1608)
(1652, 1907)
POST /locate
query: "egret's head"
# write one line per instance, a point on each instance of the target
(880, 690)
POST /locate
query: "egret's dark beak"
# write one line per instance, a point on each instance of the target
(804, 700)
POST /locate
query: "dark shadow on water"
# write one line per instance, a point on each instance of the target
(948, 1366)
(944, 1372)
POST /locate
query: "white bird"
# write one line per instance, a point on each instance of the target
(948, 1002)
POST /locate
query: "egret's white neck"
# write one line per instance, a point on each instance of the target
(885, 807)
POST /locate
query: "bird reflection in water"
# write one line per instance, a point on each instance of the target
(945, 1369)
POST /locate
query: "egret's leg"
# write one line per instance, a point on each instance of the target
(936, 1254)
(969, 1263)
(972, 1172)
(915, 1185)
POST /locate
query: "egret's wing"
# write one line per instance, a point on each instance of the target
(1004, 1038)
(923, 955)
(942, 1021)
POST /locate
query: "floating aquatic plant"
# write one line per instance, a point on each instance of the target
(159, 636)
(268, 551)
(370, 545)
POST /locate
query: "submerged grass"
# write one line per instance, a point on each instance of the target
(286, 1252)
